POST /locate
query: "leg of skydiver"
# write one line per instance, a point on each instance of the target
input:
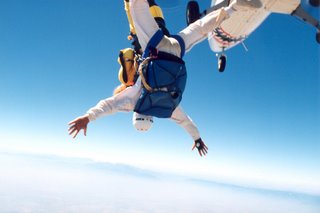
(198, 31)
(146, 27)
(144, 23)
(157, 14)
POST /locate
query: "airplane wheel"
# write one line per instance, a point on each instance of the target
(315, 3)
(318, 37)
(222, 63)
(193, 12)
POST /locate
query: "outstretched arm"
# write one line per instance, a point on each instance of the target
(185, 122)
(123, 101)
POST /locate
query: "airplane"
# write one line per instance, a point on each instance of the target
(241, 24)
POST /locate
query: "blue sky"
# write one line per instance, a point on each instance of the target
(260, 118)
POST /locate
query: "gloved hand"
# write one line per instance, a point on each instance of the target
(201, 146)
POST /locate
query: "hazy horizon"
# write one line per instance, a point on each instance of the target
(40, 183)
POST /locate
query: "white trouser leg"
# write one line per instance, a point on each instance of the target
(198, 31)
(143, 21)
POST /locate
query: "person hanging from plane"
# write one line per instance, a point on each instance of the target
(128, 72)
(127, 78)
(143, 97)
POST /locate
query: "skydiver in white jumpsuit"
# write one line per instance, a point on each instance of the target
(146, 27)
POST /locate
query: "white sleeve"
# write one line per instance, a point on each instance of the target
(185, 121)
(125, 101)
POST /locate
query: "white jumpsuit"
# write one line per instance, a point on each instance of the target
(146, 27)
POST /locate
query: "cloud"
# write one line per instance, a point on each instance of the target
(34, 183)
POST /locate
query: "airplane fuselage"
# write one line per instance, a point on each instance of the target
(242, 23)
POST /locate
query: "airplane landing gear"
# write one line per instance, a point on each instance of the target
(304, 16)
(315, 3)
(318, 37)
(222, 61)
(192, 12)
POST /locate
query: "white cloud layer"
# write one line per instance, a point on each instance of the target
(49, 184)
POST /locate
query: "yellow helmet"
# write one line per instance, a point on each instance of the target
(127, 69)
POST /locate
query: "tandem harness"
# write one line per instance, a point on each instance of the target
(163, 77)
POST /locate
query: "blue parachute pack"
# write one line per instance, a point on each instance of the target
(163, 77)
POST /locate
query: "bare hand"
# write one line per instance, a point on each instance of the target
(201, 146)
(77, 124)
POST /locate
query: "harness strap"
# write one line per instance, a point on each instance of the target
(153, 43)
(168, 88)
(143, 79)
